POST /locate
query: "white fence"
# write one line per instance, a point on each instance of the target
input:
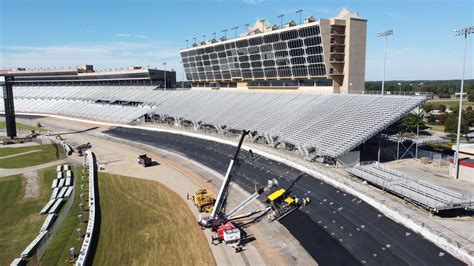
(86, 245)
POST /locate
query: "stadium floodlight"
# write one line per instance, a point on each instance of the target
(235, 29)
(214, 34)
(164, 71)
(281, 20)
(225, 33)
(384, 34)
(204, 37)
(246, 28)
(299, 11)
(194, 39)
(187, 43)
(399, 88)
(461, 32)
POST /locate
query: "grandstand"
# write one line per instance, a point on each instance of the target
(314, 125)
(425, 194)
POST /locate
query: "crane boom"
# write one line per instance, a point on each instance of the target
(232, 170)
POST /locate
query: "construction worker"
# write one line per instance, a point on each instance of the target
(251, 153)
(296, 201)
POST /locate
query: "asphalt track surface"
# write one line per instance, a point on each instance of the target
(336, 228)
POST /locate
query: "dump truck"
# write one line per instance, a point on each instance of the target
(144, 160)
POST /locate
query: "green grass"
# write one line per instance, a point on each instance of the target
(57, 252)
(145, 223)
(47, 153)
(453, 102)
(21, 126)
(20, 222)
(439, 128)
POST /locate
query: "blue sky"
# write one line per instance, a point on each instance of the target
(118, 33)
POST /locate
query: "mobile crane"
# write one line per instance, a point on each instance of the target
(219, 221)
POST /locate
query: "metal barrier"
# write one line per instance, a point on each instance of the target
(86, 245)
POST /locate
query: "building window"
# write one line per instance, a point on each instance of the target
(253, 50)
(266, 48)
(289, 35)
(280, 46)
(256, 41)
(219, 48)
(271, 38)
(242, 43)
(295, 43)
(297, 52)
(255, 57)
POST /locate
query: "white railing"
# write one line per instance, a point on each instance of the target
(86, 245)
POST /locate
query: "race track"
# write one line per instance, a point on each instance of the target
(336, 228)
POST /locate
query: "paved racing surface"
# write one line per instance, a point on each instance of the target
(336, 228)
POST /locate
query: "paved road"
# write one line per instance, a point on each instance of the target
(336, 228)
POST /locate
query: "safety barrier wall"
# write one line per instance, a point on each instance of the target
(90, 234)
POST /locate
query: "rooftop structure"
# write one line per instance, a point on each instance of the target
(325, 55)
(85, 74)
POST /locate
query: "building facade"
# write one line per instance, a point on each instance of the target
(86, 75)
(325, 55)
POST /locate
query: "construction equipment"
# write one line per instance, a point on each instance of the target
(203, 200)
(230, 234)
(218, 216)
(281, 203)
(144, 160)
(83, 147)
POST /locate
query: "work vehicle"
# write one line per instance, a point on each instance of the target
(281, 203)
(144, 160)
(83, 147)
(230, 234)
(203, 200)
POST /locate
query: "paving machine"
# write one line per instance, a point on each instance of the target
(281, 203)
(83, 147)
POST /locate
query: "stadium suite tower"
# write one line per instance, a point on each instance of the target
(324, 55)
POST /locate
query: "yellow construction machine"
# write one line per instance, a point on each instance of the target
(203, 200)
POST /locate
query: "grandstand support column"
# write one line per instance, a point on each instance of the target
(378, 152)
(7, 82)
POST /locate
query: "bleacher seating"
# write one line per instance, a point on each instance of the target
(56, 206)
(325, 125)
(425, 194)
(32, 246)
(48, 222)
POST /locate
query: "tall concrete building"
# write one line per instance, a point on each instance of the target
(325, 55)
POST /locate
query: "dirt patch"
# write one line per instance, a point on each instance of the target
(32, 189)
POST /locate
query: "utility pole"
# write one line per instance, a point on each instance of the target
(461, 32)
(384, 34)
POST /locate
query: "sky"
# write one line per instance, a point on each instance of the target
(114, 34)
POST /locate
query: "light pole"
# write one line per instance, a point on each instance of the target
(225, 33)
(399, 88)
(194, 39)
(384, 34)
(214, 34)
(461, 32)
(281, 20)
(182, 75)
(299, 11)
(235, 30)
(204, 38)
(187, 44)
(164, 71)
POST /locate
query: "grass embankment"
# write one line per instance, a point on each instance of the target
(46, 153)
(20, 222)
(145, 223)
(24, 127)
(57, 252)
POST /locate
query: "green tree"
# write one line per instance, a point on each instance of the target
(428, 107)
(451, 125)
(469, 116)
(470, 95)
(410, 121)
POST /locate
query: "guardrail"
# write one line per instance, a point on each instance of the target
(86, 245)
